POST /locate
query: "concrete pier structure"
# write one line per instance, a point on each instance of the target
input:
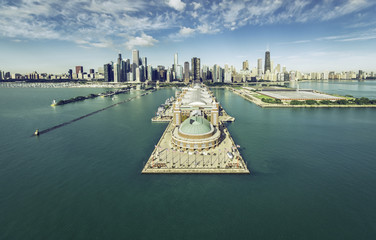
(196, 139)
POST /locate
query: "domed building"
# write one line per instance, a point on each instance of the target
(199, 131)
(196, 133)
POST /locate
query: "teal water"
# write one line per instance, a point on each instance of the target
(313, 173)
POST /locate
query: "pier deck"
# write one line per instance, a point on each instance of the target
(168, 159)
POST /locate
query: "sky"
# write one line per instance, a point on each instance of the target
(306, 35)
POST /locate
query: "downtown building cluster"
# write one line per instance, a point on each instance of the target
(137, 70)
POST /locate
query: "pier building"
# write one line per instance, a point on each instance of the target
(196, 114)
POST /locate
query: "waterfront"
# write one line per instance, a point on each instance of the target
(313, 173)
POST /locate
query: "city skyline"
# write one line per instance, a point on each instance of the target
(303, 35)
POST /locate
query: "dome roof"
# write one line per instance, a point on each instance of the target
(195, 125)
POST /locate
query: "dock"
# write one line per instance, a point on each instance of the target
(166, 159)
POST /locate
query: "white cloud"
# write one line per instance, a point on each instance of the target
(196, 5)
(141, 41)
(176, 4)
(185, 31)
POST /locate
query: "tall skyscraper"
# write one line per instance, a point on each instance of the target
(145, 64)
(259, 67)
(124, 71)
(195, 65)
(79, 69)
(118, 71)
(267, 61)
(135, 64)
(186, 71)
(108, 75)
(175, 61)
(150, 73)
(70, 73)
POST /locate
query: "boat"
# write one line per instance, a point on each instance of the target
(36, 133)
(53, 103)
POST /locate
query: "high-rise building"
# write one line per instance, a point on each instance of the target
(108, 74)
(267, 61)
(259, 67)
(175, 61)
(70, 73)
(150, 73)
(135, 62)
(179, 73)
(186, 71)
(79, 69)
(117, 73)
(195, 65)
(215, 73)
(119, 77)
(145, 64)
(245, 65)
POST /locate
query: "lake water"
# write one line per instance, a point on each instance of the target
(313, 172)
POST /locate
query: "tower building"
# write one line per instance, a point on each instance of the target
(259, 67)
(79, 69)
(135, 62)
(195, 65)
(186, 71)
(267, 61)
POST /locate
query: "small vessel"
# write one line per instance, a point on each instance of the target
(36, 133)
(53, 103)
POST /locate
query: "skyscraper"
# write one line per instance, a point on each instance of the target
(186, 71)
(259, 67)
(175, 61)
(245, 65)
(79, 69)
(145, 64)
(135, 64)
(108, 75)
(119, 73)
(267, 61)
(195, 65)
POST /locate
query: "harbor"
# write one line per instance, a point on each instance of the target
(195, 145)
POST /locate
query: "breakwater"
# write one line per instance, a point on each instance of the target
(90, 96)
(89, 114)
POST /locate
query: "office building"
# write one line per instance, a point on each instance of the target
(267, 61)
(245, 65)
(108, 74)
(259, 67)
(135, 62)
(195, 65)
(79, 69)
(186, 71)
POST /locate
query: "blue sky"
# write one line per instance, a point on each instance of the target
(306, 35)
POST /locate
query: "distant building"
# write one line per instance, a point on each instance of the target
(186, 71)
(259, 67)
(70, 73)
(267, 62)
(108, 74)
(145, 64)
(135, 64)
(195, 65)
(79, 69)
(245, 65)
